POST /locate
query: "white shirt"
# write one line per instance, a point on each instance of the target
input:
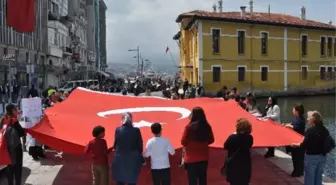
(158, 149)
(274, 114)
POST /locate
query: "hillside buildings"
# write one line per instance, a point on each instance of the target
(256, 51)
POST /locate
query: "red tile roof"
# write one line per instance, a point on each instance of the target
(258, 18)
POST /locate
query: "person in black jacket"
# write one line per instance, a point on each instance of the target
(298, 125)
(13, 135)
(238, 145)
(316, 144)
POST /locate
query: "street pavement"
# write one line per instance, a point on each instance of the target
(66, 169)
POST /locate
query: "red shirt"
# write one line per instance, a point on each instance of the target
(97, 147)
(195, 151)
(7, 120)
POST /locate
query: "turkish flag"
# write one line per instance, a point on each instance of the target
(68, 126)
(21, 15)
(5, 158)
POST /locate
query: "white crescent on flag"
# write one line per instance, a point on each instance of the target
(183, 111)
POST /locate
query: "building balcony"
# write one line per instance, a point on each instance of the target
(77, 58)
(55, 51)
(67, 51)
(52, 16)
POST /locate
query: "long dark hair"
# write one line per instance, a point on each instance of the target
(274, 102)
(199, 127)
(300, 110)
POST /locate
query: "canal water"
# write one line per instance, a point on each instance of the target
(325, 105)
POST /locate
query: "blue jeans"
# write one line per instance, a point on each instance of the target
(313, 169)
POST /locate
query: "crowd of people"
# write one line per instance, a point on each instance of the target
(309, 157)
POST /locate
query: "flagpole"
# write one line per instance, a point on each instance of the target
(172, 57)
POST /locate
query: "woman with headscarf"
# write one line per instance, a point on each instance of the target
(272, 112)
(127, 160)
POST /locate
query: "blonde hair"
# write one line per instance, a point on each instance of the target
(315, 115)
(243, 125)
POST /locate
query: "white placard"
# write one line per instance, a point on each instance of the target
(31, 107)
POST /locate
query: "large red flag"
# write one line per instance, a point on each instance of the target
(21, 15)
(68, 125)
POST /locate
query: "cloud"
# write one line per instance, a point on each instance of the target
(151, 24)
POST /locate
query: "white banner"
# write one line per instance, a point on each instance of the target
(31, 107)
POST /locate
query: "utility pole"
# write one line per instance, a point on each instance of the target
(142, 61)
(138, 51)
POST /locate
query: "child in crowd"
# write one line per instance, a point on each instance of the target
(97, 147)
(158, 149)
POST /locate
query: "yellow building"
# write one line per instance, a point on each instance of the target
(256, 51)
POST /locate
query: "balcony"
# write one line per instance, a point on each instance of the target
(91, 56)
(52, 16)
(55, 51)
(67, 51)
(76, 58)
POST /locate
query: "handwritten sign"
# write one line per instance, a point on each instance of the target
(26, 122)
(31, 107)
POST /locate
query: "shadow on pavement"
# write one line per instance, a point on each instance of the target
(25, 174)
(77, 169)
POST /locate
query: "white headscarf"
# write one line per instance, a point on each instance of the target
(126, 118)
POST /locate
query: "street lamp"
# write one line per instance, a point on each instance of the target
(138, 55)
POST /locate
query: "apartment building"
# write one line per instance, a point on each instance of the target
(26, 50)
(102, 35)
(78, 35)
(59, 51)
(96, 13)
(91, 32)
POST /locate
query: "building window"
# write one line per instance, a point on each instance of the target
(330, 46)
(264, 74)
(241, 42)
(264, 41)
(322, 73)
(304, 42)
(322, 46)
(216, 74)
(241, 74)
(330, 73)
(215, 40)
(304, 70)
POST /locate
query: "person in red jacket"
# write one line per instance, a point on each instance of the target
(196, 139)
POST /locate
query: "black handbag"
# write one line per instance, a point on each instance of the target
(226, 163)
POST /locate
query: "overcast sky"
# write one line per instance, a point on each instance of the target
(151, 24)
